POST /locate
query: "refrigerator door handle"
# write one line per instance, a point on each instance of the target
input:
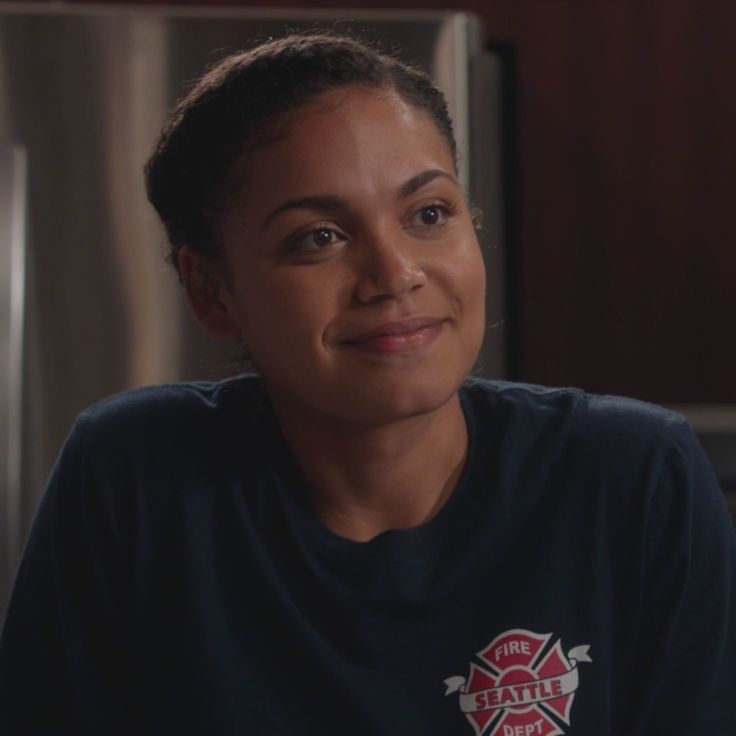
(13, 246)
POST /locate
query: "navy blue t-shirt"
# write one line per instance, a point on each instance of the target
(580, 580)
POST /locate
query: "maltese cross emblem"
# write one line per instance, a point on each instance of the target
(523, 686)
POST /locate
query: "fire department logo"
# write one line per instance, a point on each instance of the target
(523, 688)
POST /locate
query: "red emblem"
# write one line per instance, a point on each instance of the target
(522, 688)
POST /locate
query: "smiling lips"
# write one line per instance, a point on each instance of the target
(404, 336)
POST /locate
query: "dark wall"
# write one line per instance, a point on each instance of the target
(626, 195)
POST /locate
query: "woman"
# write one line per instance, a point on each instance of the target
(361, 538)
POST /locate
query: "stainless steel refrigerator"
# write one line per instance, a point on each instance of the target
(88, 307)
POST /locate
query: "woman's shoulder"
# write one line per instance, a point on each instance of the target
(596, 420)
(173, 410)
(632, 451)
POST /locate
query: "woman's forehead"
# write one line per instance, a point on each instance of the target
(353, 138)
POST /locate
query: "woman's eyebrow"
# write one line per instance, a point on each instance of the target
(322, 202)
(330, 203)
(417, 182)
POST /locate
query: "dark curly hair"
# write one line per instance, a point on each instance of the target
(247, 100)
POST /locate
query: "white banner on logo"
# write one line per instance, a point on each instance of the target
(517, 694)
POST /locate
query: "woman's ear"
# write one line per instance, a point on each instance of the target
(205, 287)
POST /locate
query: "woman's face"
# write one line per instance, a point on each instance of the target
(350, 265)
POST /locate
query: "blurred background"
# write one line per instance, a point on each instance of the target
(623, 174)
(605, 157)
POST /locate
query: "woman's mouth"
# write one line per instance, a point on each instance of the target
(404, 336)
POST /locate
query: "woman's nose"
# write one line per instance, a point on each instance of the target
(388, 269)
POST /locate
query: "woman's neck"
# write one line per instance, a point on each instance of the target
(365, 481)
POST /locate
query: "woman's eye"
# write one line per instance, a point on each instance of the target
(317, 239)
(433, 215)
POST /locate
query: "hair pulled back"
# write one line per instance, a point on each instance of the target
(247, 100)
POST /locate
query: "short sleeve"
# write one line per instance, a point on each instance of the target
(63, 666)
(686, 683)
